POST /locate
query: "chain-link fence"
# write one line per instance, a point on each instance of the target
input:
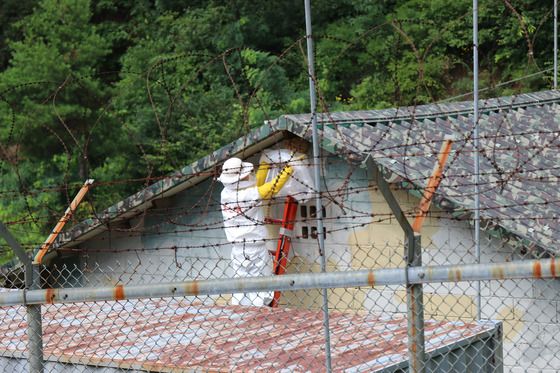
(186, 326)
(114, 307)
(153, 283)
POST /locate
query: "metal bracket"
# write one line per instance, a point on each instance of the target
(20, 253)
(16, 247)
(385, 190)
(63, 220)
(286, 232)
(413, 258)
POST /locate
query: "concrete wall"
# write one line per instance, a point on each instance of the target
(361, 234)
(180, 238)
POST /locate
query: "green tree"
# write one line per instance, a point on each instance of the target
(191, 85)
(54, 105)
(10, 12)
(114, 90)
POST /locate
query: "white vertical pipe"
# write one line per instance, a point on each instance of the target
(476, 154)
(317, 174)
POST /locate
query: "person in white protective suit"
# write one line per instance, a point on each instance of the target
(241, 202)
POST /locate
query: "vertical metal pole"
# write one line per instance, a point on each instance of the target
(555, 44)
(415, 309)
(317, 174)
(476, 155)
(32, 281)
(34, 329)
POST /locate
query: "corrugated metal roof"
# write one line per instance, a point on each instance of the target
(178, 335)
(431, 110)
(518, 135)
(519, 172)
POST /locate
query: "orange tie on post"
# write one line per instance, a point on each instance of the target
(67, 215)
(433, 184)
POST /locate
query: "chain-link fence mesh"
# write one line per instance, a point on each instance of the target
(154, 283)
(368, 328)
(505, 322)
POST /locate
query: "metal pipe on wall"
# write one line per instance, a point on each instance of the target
(317, 177)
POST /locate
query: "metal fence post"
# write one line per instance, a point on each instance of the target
(317, 178)
(476, 155)
(32, 282)
(34, 325)
(413, 258)
(415, 306)
(555, 85)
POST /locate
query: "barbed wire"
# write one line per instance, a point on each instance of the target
(157, 216)
(502, 141)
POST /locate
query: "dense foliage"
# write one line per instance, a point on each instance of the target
(121, 91)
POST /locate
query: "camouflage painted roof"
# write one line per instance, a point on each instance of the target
(518, 161)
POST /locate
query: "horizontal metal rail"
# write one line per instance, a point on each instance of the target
(544, 268)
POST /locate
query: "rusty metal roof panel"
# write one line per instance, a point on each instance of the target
(179, 335)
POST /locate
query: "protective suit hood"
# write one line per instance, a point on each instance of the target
(242, 184)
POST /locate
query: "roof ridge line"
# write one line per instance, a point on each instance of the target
(431, 111)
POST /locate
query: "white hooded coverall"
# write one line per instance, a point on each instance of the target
(244, 227)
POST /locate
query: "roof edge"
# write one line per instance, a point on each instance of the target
(435, 110)
(188, 176)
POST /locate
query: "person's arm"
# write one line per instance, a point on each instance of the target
(262, 172)
(269, 189)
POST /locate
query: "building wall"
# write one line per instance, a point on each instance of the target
(181, 238)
